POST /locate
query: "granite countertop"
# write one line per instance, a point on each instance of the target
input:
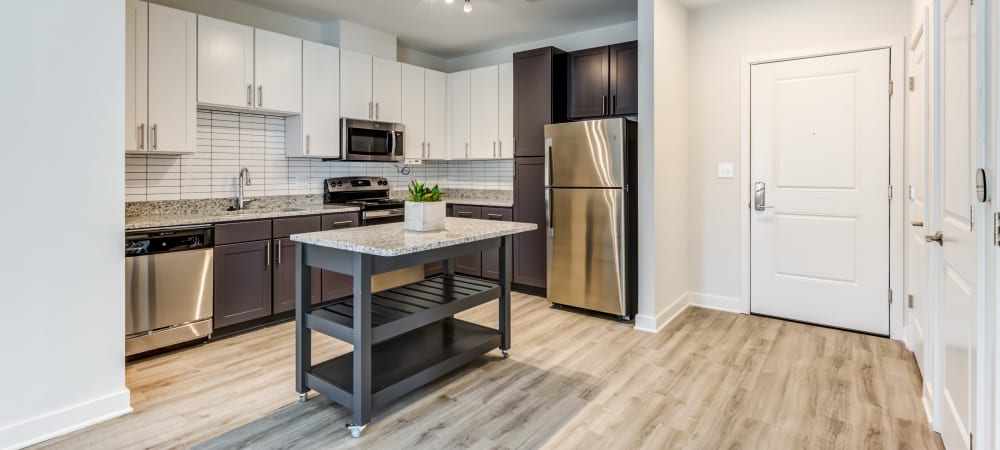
(220, 216)
(392, 239)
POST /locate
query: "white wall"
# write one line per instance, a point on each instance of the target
(663, 161)
(720, 35)
(613, 34)
(62, 277)
(360, 38)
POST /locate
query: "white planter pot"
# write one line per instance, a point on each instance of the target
(425, 216)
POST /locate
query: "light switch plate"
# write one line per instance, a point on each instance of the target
(725, 170)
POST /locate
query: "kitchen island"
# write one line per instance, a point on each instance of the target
(404, 337)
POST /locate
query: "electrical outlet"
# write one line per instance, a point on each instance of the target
(726, 170)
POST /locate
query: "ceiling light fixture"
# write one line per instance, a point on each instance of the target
(449, 1)
(468, 6)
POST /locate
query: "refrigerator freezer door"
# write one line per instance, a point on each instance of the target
(586, 154)
(586, 249)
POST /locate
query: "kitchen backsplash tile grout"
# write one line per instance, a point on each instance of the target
(229, 141)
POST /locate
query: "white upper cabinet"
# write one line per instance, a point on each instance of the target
(136, 78)
(278, 72)
(458, 115)
(371, 88)
(387, 90)
(413, 111)
(505, 143)
(225, 64)
(436, 114)
(356, 85)
(234, 71)
(161, 79)
(173, 80)
(484, 112)
(316, 133)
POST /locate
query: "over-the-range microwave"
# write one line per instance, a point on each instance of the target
(366, 140)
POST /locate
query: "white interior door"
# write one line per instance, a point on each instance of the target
(918, 312)
(956, 272)
(820, 166)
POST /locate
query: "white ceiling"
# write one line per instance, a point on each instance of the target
(444, 30)
(694, 4)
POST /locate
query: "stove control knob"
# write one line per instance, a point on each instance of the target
(340, 183)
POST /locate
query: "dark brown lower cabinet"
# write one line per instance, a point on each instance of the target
(285, 257)
(471, 265)
(491, 261)
(529, 206)
(336, 285)
(242, 282)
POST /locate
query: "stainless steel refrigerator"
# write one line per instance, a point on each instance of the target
(590, 197)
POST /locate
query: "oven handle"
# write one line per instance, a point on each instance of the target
(384, 213)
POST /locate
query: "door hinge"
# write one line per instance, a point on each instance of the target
(890, 296)
(912, 84)
(890, 192)
(891, 88)
(996, 229)
(909, 301)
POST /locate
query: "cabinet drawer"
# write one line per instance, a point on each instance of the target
(467, 212)
(501, 214)
(230, 233)
(294, 225)
(342, 220)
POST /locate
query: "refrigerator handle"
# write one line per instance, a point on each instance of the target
(548, 162)
(548, 211)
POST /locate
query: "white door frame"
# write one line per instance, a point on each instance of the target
(896, 163)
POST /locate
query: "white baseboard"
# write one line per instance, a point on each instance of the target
(67, 420)
(717, 302)
(652, 324)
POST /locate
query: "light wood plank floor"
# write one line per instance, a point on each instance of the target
(710, 380)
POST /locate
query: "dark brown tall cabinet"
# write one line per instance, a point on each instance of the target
(603, 81)
(539, 100)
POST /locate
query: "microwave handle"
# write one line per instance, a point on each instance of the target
(392, 143)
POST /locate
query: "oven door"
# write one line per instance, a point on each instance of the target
(383, 216)
(364, 140)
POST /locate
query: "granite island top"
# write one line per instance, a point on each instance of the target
(392, 239)
(221, 216)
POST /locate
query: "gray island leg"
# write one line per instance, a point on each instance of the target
(303, 306)
(505, 270)
(362, 395)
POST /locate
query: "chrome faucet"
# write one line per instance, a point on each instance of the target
(244, 180)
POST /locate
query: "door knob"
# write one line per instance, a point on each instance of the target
(936, 237)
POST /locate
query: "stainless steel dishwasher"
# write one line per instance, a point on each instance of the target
(168, 287)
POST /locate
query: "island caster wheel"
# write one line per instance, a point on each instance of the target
(356, 430)
(303, 397)
(505, 353)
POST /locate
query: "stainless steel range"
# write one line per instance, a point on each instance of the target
(371, 194)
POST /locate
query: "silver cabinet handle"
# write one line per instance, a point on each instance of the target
(142, 136)
(428, 150)
(423, 149)
(466, 149)
(760, 202)
(267, 257)
(492, 216)
(370, 115)
(308, 143)
(250, 94)
(500, 152)
(260, 95)
(342, 223)
(277, 247)
(494, 149)
(156, 137)
(376, 110)
(464, 214)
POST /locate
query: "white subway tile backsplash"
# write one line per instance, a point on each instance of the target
(230, 141)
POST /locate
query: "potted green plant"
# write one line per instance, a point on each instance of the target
(424, 209)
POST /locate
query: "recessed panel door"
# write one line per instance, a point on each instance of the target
(820, 176)
(956, 271)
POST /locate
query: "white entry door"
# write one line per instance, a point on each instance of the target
(918, 312)
(819, 228)
(956, 274)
